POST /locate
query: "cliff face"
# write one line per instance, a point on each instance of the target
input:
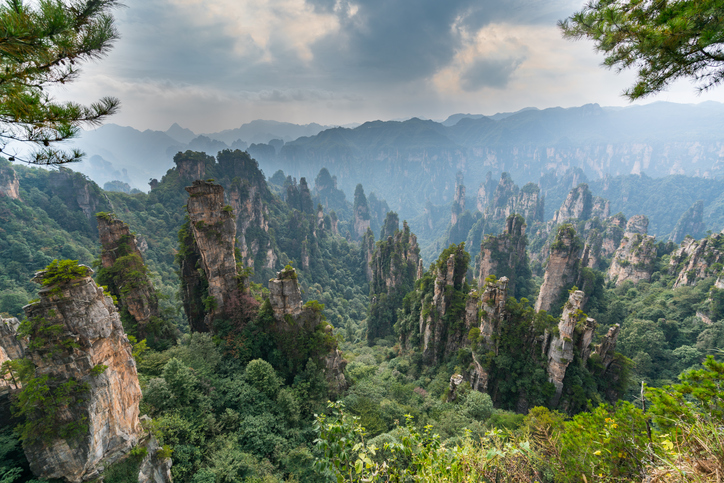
(394, 266)
(305, 322)
(458, 205)
(508, 199)
(120, 256)
(561, 351)
(368, 248)
(213, 228)
(580, 204)
(192, 165)
(9, 184)
(11, 348)
(691, 223)
(636, 254)
(695, 259)
(505, 255)
(562, 269)
(91, 337)
(362, 218)
(492, 315)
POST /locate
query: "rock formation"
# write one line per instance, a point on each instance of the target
(368, 249)
(696, 259)
(301, 322)
(492, 314)
(580, 204)
(508, 199)
(458, 205)
(394, 268)
(120, 257)
(560, 353)
(505, 255)
(192, 165)
(9, 184)
(92, 349)
(213, 227)
(562, 269)
(11, 348)
(605, 350)
(691, 223)
(361, 212)
(634, 259)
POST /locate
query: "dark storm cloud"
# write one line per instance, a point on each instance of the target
(398, 41)
(488, 73)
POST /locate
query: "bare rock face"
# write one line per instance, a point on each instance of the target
(634, 258)
(493, 314)
(293, 318)
(213, 226)
(530, 203)
(110, 407)
(192, 166)
(137, 295)
(284, 293)
(368, 248)
(503, 255)
(562, 269)
(580, 204)
(638, 224)
(9, 184)
(691, 223)
(154, 469)
(362, 216)
(605, 350)
(11, 348)
(560, 353)
(695, 259)
(458, 206)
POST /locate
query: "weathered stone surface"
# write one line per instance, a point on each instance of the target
(634, 259)
(9, 184)
(580, 204)
(284, 293)
(110, 408)
(11, 348)
(214, 230)
(294, 318)
(562, 269)
(560, 354)
(456, 381)
(504, 255)
(638, 224)
(493, 314)
(606, 348)
(154, 469)
(137, 295)
(458, 205)
(191, 168)
(507, 199)
(691, 223)
(695, 259)
(368, 248)
(362, 216)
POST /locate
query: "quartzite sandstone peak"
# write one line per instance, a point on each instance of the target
(505, 254)
(562, 269)
(136, 294)
(213, 226)
(691, 223)
(9, 184)
(696, 259)
(634, 259)
(110, 407)
(580, 204)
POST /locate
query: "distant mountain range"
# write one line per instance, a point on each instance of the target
(411, 162)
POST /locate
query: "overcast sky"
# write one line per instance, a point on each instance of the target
(216, 64)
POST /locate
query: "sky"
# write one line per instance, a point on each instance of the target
(210, 65)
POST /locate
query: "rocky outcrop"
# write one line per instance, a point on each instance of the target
(362, 217)
(560, 353)
(562, 269)
(508, 199)
(9, 184)
(458, 205)
(299, 197)
(580, 204)
(191, 165)
(154, 468)
(505, 255)
(605, 350)
(11, 348)
(394, 268)
(492, 315)
(91, 349)
(691, 223)
(634, 259)
(300, 322)
(213, 227)
(368, 249)
(124, 270)
(696, 260)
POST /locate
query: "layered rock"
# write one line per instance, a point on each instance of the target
(121, 257)
(605, 350)
(214, 228)
(634, 259)
(191, 165)
(9, 184)
(368, 249)
(492, 314)
(508, 199)
(11, 348)
(301, 322)
(696, 260)
(505, 255)
(361, 212)
(560, 353)
(691, 223)
(394, 268)
(580, 204)
(562, 269)
(91, 337)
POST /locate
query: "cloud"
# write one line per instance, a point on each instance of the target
(488, 73)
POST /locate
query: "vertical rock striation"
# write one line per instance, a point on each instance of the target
(9, 184)
(580, 204)
(213, 227)
(691, 223)
(634, 259)
(562, 269)
(505, 255)
(90, 336)
(696, 260)
(125, 271)
(362, 217)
